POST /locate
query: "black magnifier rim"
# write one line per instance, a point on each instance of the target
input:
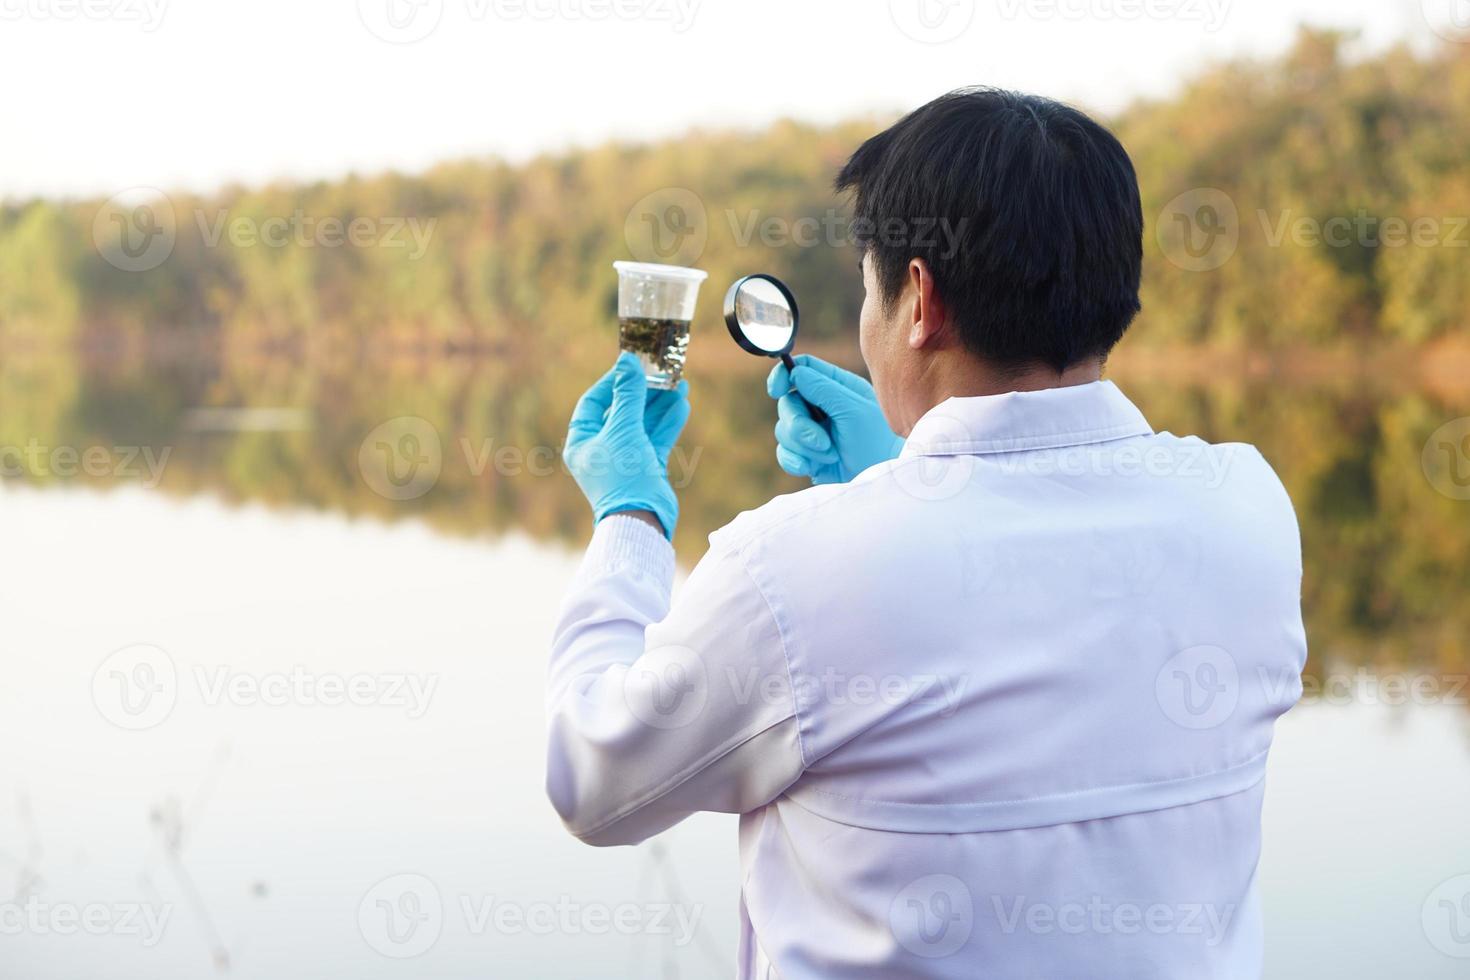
(732, 321)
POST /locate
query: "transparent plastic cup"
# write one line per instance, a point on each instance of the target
(655, 308)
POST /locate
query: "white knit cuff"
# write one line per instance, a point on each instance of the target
(622, 543)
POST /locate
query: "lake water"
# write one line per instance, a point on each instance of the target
(278, 713)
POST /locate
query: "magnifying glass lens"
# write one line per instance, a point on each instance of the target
(761, 315)
(765, 316)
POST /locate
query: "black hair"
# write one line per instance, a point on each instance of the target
(1026, 211)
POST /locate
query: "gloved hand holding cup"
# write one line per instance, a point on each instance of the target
(619, 441)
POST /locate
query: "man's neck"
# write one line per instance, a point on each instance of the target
(969, 377)
(980, 378)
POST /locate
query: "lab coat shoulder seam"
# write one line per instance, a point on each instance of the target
(778, 620)
(763, 528)
(1254, 760)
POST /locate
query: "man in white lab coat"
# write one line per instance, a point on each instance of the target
(994, 696)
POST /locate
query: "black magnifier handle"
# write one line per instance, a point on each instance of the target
(816, 413)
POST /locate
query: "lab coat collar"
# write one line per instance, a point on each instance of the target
(1025, 420)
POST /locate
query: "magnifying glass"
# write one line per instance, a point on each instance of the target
(762, 317)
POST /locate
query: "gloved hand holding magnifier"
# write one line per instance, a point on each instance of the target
(830, 426)
(761, 314)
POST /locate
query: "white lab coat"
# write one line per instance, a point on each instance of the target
(997, 708)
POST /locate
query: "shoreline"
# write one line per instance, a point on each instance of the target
(1439, 368)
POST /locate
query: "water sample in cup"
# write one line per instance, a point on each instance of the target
(655, 308)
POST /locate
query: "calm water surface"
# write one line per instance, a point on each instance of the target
(264, 827)
(346, 672)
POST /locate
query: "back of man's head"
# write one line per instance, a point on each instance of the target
(1033, 220)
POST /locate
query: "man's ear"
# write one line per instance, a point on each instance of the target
(928, 321)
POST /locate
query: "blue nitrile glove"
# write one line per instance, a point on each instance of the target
(855, 435)
(619, 441)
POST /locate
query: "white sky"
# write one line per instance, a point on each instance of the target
(103, 95)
